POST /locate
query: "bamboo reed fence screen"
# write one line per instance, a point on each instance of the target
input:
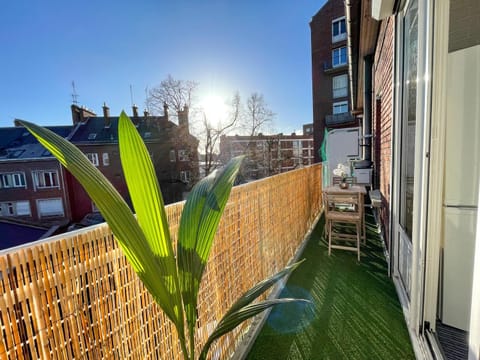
(74, 296)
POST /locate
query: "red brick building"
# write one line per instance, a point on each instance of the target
(35, 188)
(33, 184)
(172, 148)
(330, 79)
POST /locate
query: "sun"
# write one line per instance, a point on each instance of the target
(214, 108)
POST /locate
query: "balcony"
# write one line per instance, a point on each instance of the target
(339, 119)
(75, 295)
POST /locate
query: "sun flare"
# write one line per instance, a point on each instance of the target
(214, 108)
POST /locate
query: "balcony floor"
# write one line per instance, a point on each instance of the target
(355, 313)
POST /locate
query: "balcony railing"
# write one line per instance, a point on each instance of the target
(75, 295)
(339, 119)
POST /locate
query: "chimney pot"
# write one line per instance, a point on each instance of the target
(135, 110)
(165, 110)
(106, 115)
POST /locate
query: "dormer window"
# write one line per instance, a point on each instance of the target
(92, 136)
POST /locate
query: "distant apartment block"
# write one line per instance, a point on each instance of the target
(267, 155)
(330, 79)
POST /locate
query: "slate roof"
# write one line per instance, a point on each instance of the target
(94, 130)
(18, 143)
(18, 234)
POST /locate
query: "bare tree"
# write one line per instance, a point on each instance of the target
(212, 133)
(175, 93)
(258, 115)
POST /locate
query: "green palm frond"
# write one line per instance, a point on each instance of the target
(198, 226)
(116, 212)
(243, 308)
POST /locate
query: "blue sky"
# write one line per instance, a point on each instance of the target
(106, 46)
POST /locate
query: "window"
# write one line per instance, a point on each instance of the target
(339, 56)
(106, 159)
(173, 158)
(50, 207)
(339, 30)
(15, 208)
(12, 180)
(23, 208)
(92, 136)
(340, 107)
(45, 179)
(183, 155)
(147, 135)
(340, 86)
(93, 157)
(185, 176)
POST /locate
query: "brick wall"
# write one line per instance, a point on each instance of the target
(383, 73)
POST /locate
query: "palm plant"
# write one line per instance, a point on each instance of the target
(173, 281)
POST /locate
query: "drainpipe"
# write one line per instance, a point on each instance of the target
(367, 109)
(348, 21)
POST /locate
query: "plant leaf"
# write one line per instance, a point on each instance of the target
(115, 211)
(261, 287)
(242, 309)
(198, 225)
(233, 319)
(147, 201)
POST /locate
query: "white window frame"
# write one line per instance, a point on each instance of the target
(15, 180)
(52, 214)
(337, 59)
(93, 157)
(339, 105)
(41, 174)
(339, 91)
(105, 159)
(11, 208)
(173, 156)
(185, 176)
(341, 35)
(183, 155)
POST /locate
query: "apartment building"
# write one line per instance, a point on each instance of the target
(33, 184)
(267, 155)
(330, 78)
(35, 188)
(420, 61)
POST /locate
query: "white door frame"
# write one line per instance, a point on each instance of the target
(413, 305)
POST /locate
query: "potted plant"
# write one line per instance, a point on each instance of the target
(342, 171)
(172, 280)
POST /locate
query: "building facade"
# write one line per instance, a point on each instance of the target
(33, 184)
(267, 155)
(420, 61)
(35, 188)
(330, 78)
(172, 148)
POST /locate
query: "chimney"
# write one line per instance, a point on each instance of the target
(145, 113)
(183, 118)
(80, 114)
(106, 115)
(135, 110)
(165, 110)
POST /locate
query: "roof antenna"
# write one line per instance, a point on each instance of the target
(74, 94)
(131, 95)
(146, 99)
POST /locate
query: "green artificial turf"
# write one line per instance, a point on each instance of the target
(355, 312)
